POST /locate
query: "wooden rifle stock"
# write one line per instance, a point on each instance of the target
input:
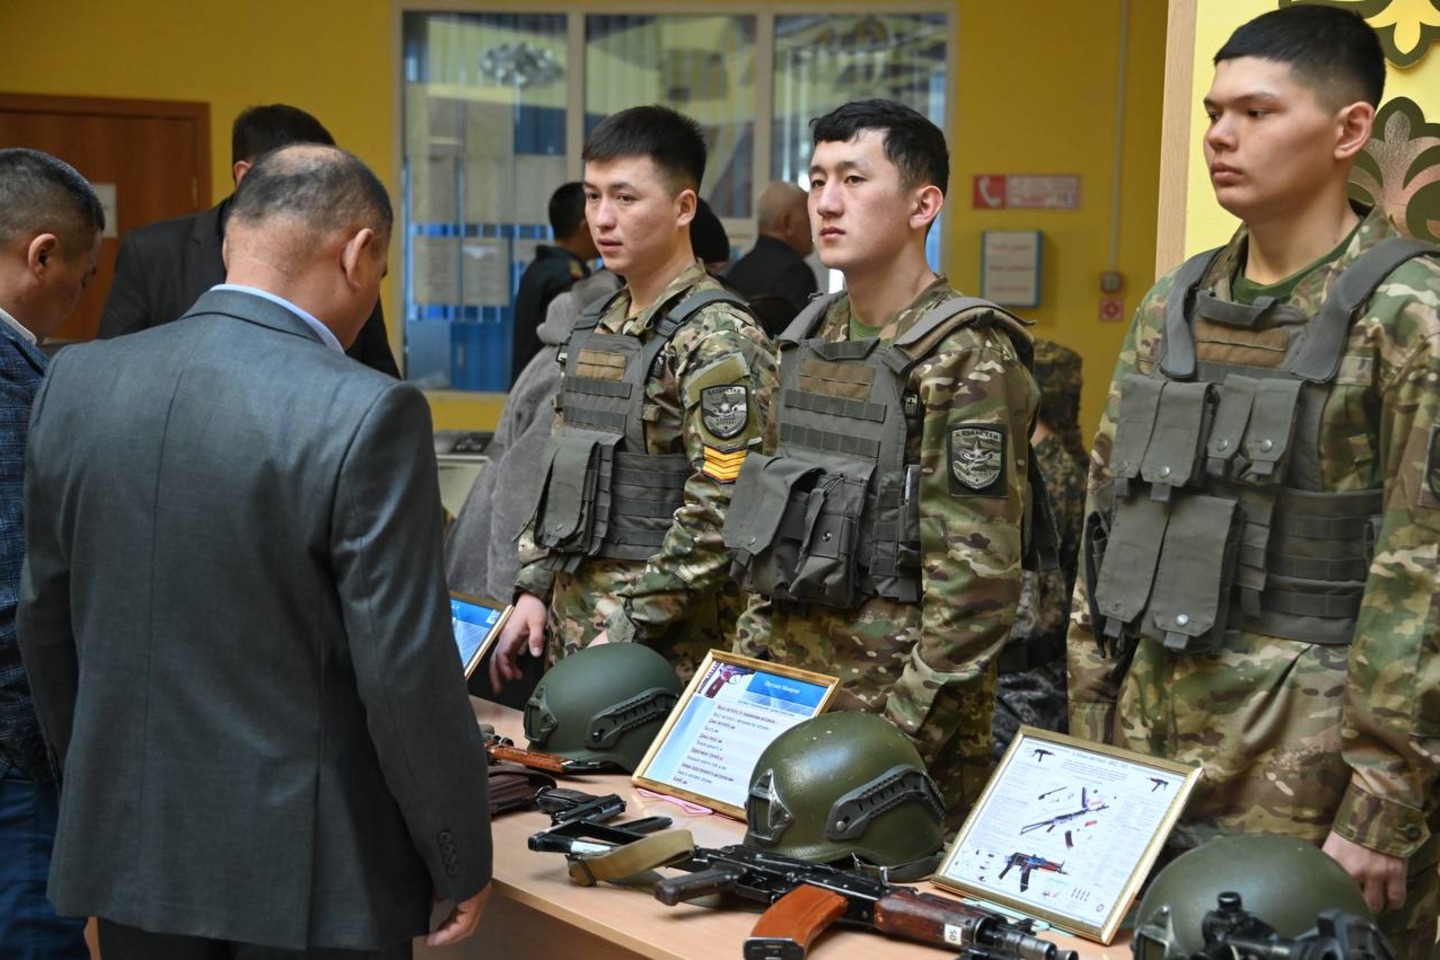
(944, 921)
(786, 930)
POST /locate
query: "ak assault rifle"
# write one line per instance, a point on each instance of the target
(805, 899)
(1085, 807)
(1028, 862)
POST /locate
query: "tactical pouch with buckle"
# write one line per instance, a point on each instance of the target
(572, 513)
(1131, 555)
(1139, 405)
(1191, 595)
(894, 538)
(1271, 430)
(1172, 456)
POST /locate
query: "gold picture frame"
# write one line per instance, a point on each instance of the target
(1067, 830)
(474, 638)
(730, 712)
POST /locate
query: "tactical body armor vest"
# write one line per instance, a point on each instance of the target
(602, 495)
(833, 516)
(1218, 517)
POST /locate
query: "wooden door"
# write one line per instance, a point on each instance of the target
(156, 154)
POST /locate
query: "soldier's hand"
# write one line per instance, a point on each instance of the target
(1381, 877)
(461, 922)
(524, 630)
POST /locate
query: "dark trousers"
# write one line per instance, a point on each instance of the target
(119, 942)
(29, 928)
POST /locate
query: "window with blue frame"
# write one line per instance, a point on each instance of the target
(489, 131)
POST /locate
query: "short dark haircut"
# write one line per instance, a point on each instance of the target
(324, 187)
(44, 194)
(914, 144)
(708, 239)
(259, 130)
(672, 141)
(1332, 51)
(567, 210)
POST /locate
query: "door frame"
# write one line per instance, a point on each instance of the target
(128, 108)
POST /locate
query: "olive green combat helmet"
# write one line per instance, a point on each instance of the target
(846, 785)
(602, 703)
(1283, 881)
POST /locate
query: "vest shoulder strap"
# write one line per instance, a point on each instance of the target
(590, 316)
(808, 319)
(935, 324)
(1318, 359)
(682, 311)
(1179, 359)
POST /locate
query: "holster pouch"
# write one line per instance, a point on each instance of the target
(572, 513)
(1139, 405)
(513, 787)
(1191, 596)
(1172, 457)
(1130, 558)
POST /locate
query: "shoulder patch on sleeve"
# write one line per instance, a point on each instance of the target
(722, 466)
(728, 369)
(976, 454)
(724, 409)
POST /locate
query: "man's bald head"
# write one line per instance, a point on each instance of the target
(781, 213)
(300, 213)
(324, 189)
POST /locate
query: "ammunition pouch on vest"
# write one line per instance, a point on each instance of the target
(1216, 518)
(833, 516)
(602, 495)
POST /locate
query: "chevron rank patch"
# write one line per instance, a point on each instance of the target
(976, 452)
(723, 466)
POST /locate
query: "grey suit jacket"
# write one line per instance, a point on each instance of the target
(235, 621)
(162, 268)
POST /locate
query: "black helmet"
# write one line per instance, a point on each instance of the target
(602, 703)
(841, 785)
(1283, 881)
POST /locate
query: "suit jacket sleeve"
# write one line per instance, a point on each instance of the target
(128, 307)
(372, 346)
(43, 625)
(386, 555)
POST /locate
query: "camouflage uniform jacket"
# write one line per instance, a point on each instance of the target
(1297, 737)
(929, 668)
(1031, 687)
(680, 600)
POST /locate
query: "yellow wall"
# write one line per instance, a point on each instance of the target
(1037, 94)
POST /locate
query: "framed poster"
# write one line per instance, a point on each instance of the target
(1010, 267)
(1066, 831)
(730, 712)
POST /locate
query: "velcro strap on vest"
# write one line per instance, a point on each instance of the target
(829, 441)
(1179, 359)
(834, 406)
(1230, 313)
(1318, 359)
(628, 859)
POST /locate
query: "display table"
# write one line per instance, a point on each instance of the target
(535, 910)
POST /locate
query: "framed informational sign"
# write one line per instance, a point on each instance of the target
(731, 711)
(1010, 267)
(477, 624)
(1067, 830)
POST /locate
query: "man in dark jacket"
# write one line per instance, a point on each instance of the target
(776, 265)
(553, 271)
(162, 268)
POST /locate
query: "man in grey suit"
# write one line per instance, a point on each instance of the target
(234, 616)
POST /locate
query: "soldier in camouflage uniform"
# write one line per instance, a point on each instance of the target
(913, 612)
(1317, 712)
(1032, 665)
(660, 402)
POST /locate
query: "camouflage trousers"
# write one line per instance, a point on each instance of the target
(868, 648)
(582, 601)
(1034, 697)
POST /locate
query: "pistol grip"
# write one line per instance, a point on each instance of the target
(688, 886)
(786, 930)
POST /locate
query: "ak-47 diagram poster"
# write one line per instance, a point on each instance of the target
(1066, 831)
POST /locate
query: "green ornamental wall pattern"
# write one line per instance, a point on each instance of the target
(1405, 37)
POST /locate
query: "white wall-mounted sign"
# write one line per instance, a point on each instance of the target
(1010, 267)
